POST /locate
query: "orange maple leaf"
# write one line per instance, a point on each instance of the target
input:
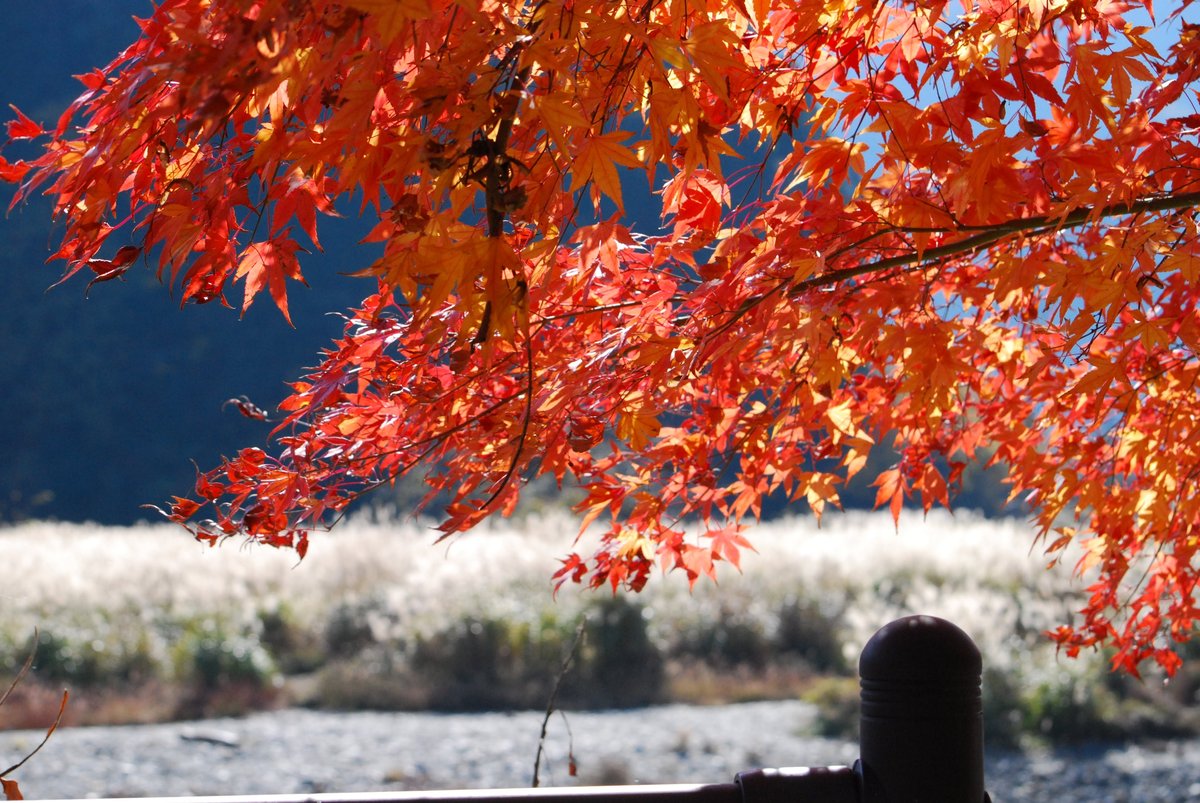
(268, 264)
(596, 161)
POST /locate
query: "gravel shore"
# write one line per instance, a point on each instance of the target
(297, 751)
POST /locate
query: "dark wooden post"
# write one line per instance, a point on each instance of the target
(922, 714)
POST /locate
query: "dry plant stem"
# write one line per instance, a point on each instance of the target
(62, 707)
(550, 706)
(23, 671)
(10, 788)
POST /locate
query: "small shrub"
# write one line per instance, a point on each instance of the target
(620, 665)
(838, 707)
(498, 664)
(492, 663)
(1065, 708)
(216, 659)
(474, 665)
(806, 630)
(348, 629)
(731, 639)
(224, 673)
(1003, 718)
(367, 683)
(294, 648)
(94, 655)
(59, 659)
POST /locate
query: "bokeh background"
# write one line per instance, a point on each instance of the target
(107, 400)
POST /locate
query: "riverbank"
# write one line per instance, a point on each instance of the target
(143, 625)
(299, 751)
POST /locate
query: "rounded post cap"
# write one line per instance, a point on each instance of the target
(920, 649)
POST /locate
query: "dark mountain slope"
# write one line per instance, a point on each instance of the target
(105, 400)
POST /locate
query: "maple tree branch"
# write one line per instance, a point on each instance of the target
(994, 234)
(985, 236)
(496, 189)
(496, 185)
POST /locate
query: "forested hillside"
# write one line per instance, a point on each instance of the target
(107, 398)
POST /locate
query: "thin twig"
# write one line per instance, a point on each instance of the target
(62, 707)
(551, 706)
(24, 669)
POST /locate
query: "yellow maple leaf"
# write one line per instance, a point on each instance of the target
(633, 544)
(638, 423)
(559, 116)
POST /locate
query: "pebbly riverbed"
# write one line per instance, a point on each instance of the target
(299, 751)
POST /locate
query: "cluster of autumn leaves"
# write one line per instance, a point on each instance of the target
(965, 232)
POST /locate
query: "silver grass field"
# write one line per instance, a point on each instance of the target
(364, 620)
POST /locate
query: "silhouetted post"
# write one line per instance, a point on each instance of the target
(922, 715)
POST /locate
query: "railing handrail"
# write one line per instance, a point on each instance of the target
(786, 785)
(675, 793)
